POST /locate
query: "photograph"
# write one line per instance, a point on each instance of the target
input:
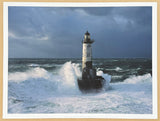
(80, 60)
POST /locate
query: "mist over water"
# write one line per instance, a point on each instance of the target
(50, 86)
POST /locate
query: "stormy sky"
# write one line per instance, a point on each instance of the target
(57, 32)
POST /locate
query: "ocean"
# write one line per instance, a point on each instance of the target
(50, 86)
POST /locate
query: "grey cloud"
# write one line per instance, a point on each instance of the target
(57, 32)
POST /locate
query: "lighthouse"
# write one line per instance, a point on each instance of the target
(89, 80)
(87, 51)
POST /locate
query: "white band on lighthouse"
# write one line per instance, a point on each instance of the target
(87, 53)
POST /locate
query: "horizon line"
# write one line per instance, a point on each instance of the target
(79, 58)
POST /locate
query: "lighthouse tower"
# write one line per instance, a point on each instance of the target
(88, 73)
(87, 51)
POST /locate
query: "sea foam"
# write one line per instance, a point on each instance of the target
(40, 91)
(64, 82)
(66, 78)
(137, 79)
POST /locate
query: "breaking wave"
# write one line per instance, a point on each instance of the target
(39, 80)
(33, 65)
(64, 82)
(118, 69)
(139, 79)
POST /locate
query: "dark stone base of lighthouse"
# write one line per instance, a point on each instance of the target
(89, 81)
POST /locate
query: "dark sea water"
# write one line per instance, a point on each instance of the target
(120, 69)
(50, 86)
